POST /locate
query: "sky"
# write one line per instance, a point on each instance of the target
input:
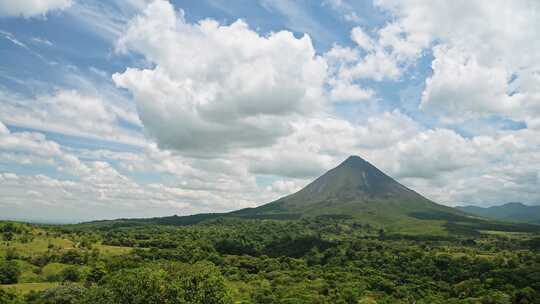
(143, 108)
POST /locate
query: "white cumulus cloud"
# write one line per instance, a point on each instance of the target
(216, 87)
(461, 88)
(487, 58)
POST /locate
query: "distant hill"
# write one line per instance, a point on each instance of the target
(512, 212)
(354, 190)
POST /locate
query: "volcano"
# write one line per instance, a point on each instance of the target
(357, 189)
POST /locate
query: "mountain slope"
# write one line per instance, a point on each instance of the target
(355, 188)
(512, 212)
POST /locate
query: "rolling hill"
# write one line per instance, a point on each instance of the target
(512, 212)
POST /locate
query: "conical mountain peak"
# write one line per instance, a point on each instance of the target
(353, 187)
(357, 163)
(354, 160)
(353, 178)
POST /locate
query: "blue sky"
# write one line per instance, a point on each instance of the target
(149, 108)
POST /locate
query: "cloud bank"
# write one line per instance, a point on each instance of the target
(31, 8)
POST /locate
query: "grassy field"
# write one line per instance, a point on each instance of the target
(39, 245)
(24, 288)
(410, 226)
(53, 269)
(36, 243)
(112, 250)
(506, 233)
(42, 243)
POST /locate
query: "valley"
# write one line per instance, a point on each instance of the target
(313, 260)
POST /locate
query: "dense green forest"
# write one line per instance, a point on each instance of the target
(324, 259)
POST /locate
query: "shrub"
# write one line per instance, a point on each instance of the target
(9, 272)
(71, 274)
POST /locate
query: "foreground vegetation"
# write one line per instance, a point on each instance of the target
(326, 259)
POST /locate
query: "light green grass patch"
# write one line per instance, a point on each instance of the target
(412, 226)
(53, 269)
(38, 246)
(29, 277)
(24, 288)
(113, 250)
(28, 272)
(507, 233)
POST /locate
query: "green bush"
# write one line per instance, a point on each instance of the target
(71, 274)
(63, 294)
(201, 283)
(9, 272)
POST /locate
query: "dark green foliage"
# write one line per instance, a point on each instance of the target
(10, 227)
(8, 236)
(71, 274)
(72, 257)
(272, 216)
(295, 247)
(97, 273)
(533, 244)
(63, 294)
(329, 259)
(9, 298)
(137, 286)
(172, 283)
(97, 295)
(9, 272)
(184, 220)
